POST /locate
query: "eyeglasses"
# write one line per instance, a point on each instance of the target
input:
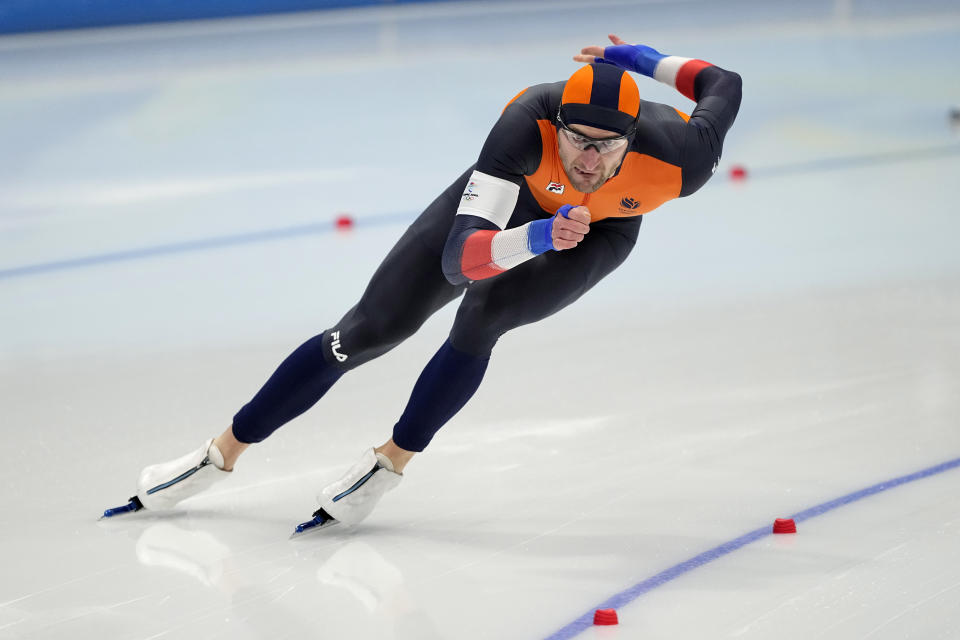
(582, 142)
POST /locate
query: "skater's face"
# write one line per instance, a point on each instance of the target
(590, 156)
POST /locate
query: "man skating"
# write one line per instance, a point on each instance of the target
(553, 205)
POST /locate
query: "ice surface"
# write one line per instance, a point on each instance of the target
(771, 345)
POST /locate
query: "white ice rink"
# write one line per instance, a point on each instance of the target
(166, 204)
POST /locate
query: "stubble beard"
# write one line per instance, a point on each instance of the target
(593, 186)
(583, 185)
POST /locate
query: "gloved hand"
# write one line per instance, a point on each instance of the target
(630, 57)
(563, 231)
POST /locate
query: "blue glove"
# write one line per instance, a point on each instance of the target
(638, 58)
(540, 232)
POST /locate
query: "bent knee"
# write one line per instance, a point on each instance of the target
(354, 341)
(476, 330)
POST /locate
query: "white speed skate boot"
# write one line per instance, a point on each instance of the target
(161, 486)
(351, 498)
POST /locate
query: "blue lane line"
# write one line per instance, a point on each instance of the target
(823, 164)
(854, 162)
(201, 244)
(585, 621)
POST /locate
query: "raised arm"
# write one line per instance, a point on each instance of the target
(716, 91)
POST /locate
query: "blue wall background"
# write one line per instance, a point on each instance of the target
(20, 16)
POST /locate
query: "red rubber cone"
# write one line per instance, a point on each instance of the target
(784, 525)
(344, 222)
(605, 617)
(738, 172)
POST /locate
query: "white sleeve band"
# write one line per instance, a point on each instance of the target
(511, 247)
(490, 198)
(667, 69)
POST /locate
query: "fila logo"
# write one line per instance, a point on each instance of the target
(629, 203)
(336, 345)
(555, 187)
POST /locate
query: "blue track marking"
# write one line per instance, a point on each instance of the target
(202, 244)
(627, 596)
(854, 162)
(269, 235)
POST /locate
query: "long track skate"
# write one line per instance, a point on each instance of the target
(130, 507)
(320, 520)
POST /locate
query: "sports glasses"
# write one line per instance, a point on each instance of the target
(602, 145)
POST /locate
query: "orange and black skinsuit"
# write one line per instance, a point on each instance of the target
(670, 155)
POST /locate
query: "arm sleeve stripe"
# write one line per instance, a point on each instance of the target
(666, 71)
(488, 253)
(687, 75)
(511, 247)
(477, 259)
(490, 198)
(679, 73)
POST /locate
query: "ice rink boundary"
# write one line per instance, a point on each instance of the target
(201, 244)
(376, 220)
(627, 596)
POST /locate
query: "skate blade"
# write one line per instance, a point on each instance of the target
(321, 520)
(130, 507)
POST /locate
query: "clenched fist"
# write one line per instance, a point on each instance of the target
(569, 229)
